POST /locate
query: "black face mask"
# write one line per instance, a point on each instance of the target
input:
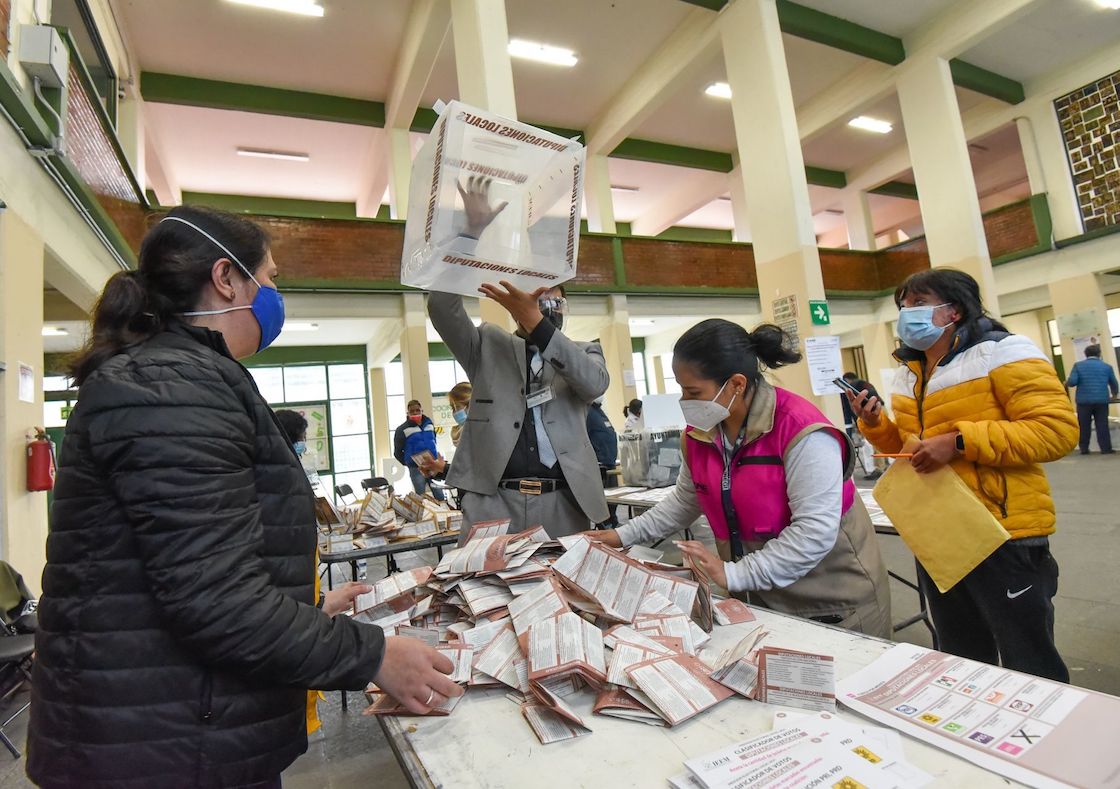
(555, 318)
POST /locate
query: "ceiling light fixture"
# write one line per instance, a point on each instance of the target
(721, 90)
(542, 53)
(301, 7)
(870, 124)
(617, 188)
(54, 331)
(284, 156)
(300, 326)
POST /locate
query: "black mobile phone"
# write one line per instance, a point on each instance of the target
(847, 387)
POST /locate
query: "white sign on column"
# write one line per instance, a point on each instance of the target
(822, 354)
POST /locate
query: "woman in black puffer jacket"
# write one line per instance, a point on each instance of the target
(178, 630)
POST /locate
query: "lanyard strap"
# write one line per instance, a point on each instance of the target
(729, 513)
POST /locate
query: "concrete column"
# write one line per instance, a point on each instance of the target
(879, 344)
(943, 174)
(23, 515)
(741, 220)
(597, 191)
(130, 131)
(379, 416)
(619, 352)
(1081, 294)
(857, 216)
(658, 386)
(785, 245)
(485, 77)
(1044, 152)
(400, 171)
(414, 350)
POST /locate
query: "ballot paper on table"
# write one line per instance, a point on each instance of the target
(678, 687)
(796, 679)
(942, 522)
(566, 644)
(732, 612)
(532, 178)
(543, 602)
(734, 667)
(391, 588)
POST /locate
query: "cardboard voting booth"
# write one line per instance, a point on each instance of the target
(523, 187)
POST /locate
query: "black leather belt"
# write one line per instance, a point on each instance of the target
(533, 487)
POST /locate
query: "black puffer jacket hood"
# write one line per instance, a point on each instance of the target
(178, 633)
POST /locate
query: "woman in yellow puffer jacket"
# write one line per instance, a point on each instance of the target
(990, 405)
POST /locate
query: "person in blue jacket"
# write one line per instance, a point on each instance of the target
(415, 435)
(604, 440)
(1095, 381)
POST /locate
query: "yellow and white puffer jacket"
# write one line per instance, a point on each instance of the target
(1005, 398)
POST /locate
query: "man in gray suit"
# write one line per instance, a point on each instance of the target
(524, 452)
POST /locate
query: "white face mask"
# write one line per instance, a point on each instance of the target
(705, 414)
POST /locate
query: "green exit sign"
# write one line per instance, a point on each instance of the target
(818, 311)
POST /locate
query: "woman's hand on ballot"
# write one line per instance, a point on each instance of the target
(476, 204)
(338, 600)
(934, 453)
(708, 561)
(521, 305)
(415, 674)
(608, 537)
(869, 409)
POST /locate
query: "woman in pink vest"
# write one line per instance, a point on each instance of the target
(773, 477)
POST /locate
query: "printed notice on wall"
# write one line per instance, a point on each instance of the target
(26, 383)
(822, 354)
(1031, 730)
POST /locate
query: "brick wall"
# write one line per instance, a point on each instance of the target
(1010, 229)
(5, 21)
(1090, 121)
(88, 147)
(595, 263)
(687, 264)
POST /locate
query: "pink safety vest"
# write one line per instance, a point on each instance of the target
(758, 474)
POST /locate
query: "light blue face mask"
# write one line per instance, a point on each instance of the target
(460, 417)
(916, 328)
(300, 447)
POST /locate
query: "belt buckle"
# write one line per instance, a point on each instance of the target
(530, 487)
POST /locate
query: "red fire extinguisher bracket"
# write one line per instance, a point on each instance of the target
(40, 462)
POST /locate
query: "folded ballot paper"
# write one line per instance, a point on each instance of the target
(525, 188)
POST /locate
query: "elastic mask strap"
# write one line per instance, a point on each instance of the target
(220, 246)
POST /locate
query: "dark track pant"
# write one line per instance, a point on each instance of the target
(1002, 612)
(1087, 413)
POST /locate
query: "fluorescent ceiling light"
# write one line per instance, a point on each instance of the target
(302, 7)
(721, 90)
(543, 53)
(300, 326)
(616, 188)
(870, 124)
(54, 331)
(285, 156)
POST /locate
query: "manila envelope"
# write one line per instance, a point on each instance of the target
(948, 529)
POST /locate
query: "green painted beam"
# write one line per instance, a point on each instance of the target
(705, 234)
(821, 176)
(679, 155)
(273, 206)
(194, 92)
(711, 5)
(966, 75)
(26, 118)
(308, 354)
(809, 23)
(896, 189)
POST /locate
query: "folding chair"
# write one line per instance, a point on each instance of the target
(15, 669)
(378, 485)
(342, 491)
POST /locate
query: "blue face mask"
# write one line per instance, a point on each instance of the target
(460, 417)
(916, 328)
(300, 447)
(267, 306)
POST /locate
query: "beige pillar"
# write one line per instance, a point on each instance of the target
(879, 344)
(130, 131)
(857, 216)
(485, 78)
(741, 221)
(414, 351)
(597, 192)
(785, 245)
(23, 515)
(658, 375)
(943, 174)
(1044, 152)
(379, 416)
(618, 349)
(1080, 298)
(400, 171)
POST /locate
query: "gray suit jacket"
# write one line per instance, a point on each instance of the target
(495, 362)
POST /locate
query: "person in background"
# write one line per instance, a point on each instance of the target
(1096, 383)
(178, 651)
(633, 413)
(415, 435)
(870, 465)
(600, 432)
(773, 477)
(988, 404)
(335, 601)
(459, 399)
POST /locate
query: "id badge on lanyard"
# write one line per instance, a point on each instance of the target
(729, 513)
(538, 393)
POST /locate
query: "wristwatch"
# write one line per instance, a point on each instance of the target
(322, 599)
(960, 443)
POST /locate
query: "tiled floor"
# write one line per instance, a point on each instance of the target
(353, 753)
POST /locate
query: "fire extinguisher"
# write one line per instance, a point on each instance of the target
(40, 462)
